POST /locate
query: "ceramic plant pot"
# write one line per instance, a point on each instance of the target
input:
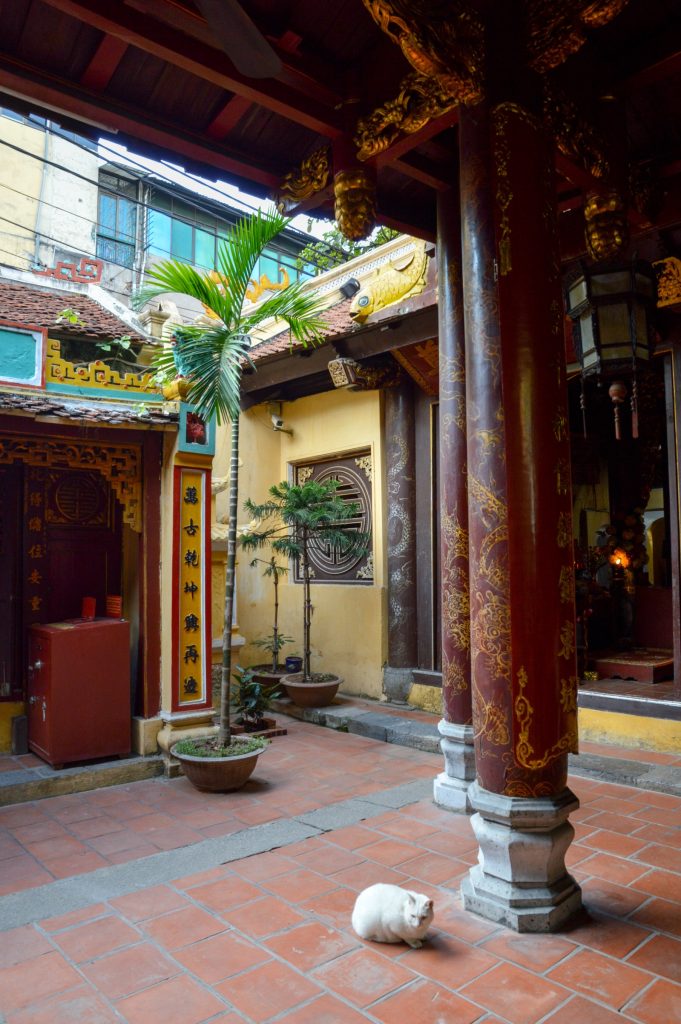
(218, 774)
(315, 694)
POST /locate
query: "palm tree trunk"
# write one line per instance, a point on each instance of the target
(275, 628)
(307, 608)
(225, 729)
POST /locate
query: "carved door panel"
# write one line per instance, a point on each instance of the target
(83, 543)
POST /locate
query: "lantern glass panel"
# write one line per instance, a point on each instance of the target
(615, 282)
(577, 293)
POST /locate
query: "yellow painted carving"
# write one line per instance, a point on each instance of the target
(398, 279)
(364, 462)
(96, 375)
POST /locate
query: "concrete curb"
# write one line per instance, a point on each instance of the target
(407, 732)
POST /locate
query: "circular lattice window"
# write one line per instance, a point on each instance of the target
(330, 561)
(79, 498)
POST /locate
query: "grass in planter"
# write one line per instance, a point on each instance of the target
(210, 748)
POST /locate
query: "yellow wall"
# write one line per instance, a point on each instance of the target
(8, 710)
(24, 174)
(349, 632)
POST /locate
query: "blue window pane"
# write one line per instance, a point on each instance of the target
(107, 214)
(205, 249)
(181, 240)
(159, 233)
(126, 221)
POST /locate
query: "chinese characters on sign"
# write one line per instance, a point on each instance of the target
(35, 551)
(191, 625)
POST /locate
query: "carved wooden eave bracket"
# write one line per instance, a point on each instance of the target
(556, 30)
(382, 372)
(419, 101)
(302, 182)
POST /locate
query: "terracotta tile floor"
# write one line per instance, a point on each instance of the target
(268, 938)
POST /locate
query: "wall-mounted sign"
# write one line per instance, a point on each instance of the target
(191, 597)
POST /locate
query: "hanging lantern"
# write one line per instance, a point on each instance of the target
(611, 308)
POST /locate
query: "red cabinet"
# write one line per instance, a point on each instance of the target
(79, 690)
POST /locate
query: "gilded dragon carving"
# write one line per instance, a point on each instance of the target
(419, 100)
(304, 181)
(442, 39)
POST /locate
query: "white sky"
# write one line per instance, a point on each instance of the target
(217, 191)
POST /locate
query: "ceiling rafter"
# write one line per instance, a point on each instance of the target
(311, 76)
(103, 64)
(201, 60)
(54, 93)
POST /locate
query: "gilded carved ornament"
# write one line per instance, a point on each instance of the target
(348, 373)
(419, 100)
(354, 193)
(668, 273)
(556, 30)
(442, 39)
(606, 226)
(575, 136)
(304, 181)
(401, 277)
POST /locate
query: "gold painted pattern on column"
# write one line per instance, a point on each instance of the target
(563, 532)
(524, 713)
(566, 585)
(567, 640)
(455, 600)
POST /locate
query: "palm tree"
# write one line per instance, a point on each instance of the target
(212, 357)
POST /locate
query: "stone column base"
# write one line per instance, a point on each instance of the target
(183, 725)
(450, 788)
(397, 683)
(521, 880)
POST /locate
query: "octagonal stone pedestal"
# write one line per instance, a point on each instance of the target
(450, 788)
(521, 880)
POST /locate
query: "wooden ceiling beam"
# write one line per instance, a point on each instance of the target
(312, 77)
(103, 63)
(54, 93)
(405, 143)
(201, 60)
(228, 117)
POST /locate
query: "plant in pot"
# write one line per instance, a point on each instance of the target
(270, 673)
(252, 699)
(304, 516)
(211, 356)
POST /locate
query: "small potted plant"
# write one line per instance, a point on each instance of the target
(252, 700)
(306, 514)
(269, 674)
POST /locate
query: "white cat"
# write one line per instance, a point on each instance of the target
(386, 913)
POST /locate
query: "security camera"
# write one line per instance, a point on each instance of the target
(277, 422)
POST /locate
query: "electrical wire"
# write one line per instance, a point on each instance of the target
(157, 182)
